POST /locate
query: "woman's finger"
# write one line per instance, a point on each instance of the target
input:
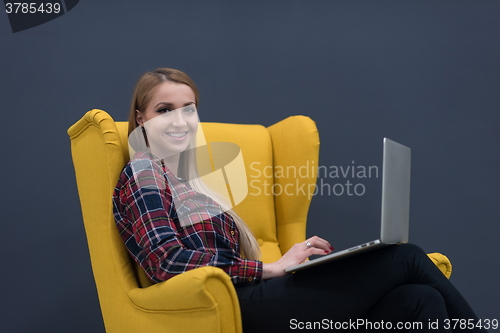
(319, 243)
(316, 251)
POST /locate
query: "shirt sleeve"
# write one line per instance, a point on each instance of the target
(154, 237)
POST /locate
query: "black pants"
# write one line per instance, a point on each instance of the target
(397, 287)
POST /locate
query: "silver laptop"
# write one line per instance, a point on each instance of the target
(395, 206)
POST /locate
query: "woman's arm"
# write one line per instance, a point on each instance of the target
(144, 203)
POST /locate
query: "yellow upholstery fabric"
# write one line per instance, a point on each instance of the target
(442, 262)
(204, 299)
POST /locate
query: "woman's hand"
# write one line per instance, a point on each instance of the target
(296, 255)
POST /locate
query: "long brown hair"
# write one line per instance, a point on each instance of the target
(143, 92)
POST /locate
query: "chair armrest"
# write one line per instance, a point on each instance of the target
(442, 262)
(197, 289)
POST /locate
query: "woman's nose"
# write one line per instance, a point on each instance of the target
(179, 120)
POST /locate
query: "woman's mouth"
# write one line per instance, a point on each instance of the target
(177, 135)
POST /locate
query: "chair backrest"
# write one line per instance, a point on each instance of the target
(281, 159)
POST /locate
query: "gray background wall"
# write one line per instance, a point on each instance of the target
(425, 73)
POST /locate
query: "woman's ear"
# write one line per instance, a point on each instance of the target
(138, 118)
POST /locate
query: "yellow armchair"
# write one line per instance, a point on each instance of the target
(204, 299)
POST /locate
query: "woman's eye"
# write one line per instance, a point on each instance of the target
(190, 109)
(163, 110)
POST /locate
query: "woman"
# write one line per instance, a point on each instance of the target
(172, 222)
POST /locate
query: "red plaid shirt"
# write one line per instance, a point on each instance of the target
(167, 239)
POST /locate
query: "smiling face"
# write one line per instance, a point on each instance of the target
(170, 119)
